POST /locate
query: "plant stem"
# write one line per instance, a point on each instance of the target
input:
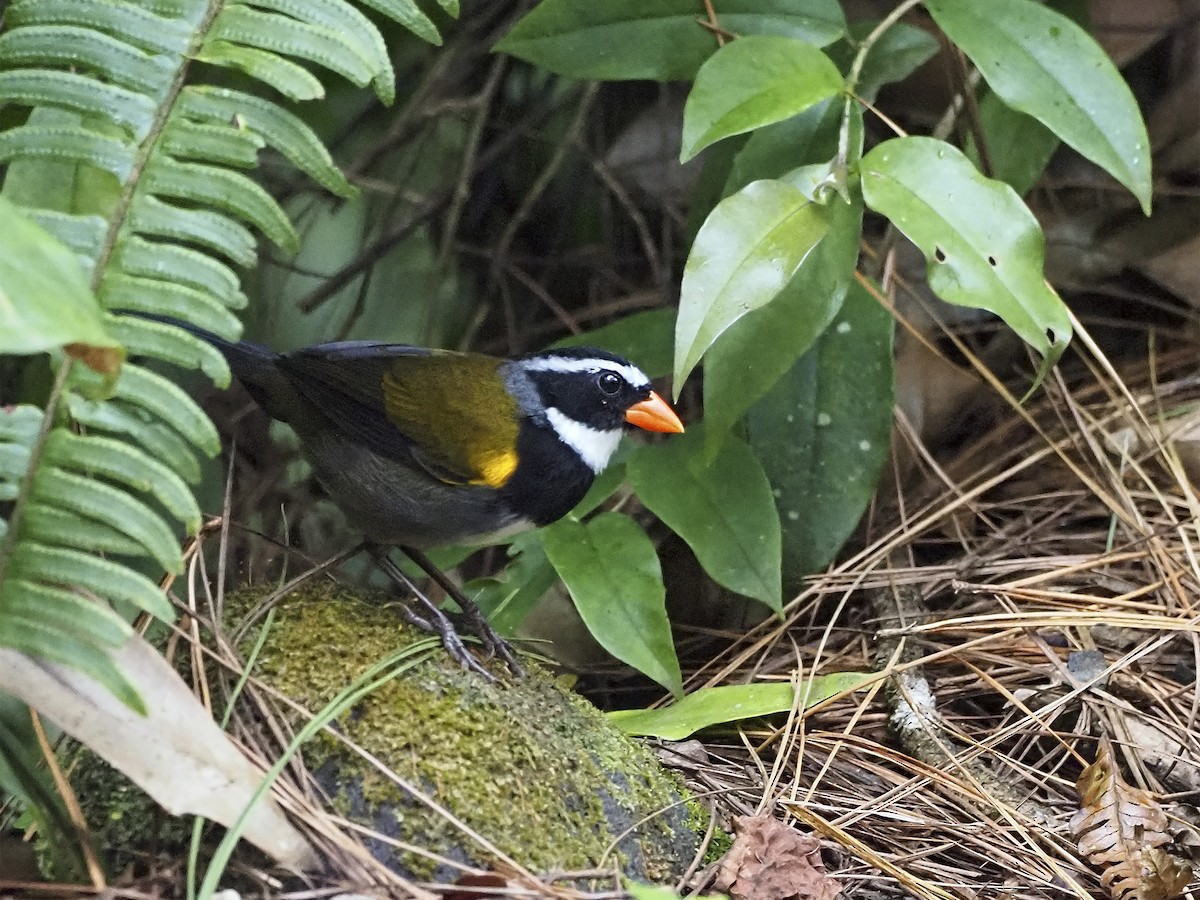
(856, 71)
(9, 544)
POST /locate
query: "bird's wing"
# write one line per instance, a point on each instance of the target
(447, 412)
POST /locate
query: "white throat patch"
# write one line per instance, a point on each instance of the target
(594, 447)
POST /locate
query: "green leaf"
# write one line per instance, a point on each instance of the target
(168, 402)
(1019, 146)
(611, 570)
(752, 82)
(895, 55)
(108, 504)
(82, 234)
(1041, 63)
(62, 611)
(732, 702)
(752, 355)
(282, 34)
(282, 130)
(164, 443)
(51, 525)
(508, 599)
(723, 508)
(983, 247)
(20, 424)
(776, 150)
(79, 93)
(128, 21)
(120, 462)
(823, 433)
(228, 191)
(409, 14)
(106, 579)
(644, 338)
(125, 292)
(72, 47)
(150, 259)
(45, 302)
(293, 81)
(159, 340)
(745, 254)
(223, 143)
(659, 39)
(206, 228)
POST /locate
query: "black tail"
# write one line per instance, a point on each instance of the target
(253, 364)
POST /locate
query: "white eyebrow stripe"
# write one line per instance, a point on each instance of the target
(630, 373)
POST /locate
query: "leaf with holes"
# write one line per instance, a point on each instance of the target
(1043, 64)
(612, 572)
(721, 505)
(983, 246)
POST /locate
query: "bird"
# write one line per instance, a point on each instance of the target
(424, 448)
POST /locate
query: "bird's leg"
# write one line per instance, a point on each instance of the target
(495, 644)
(437, 623)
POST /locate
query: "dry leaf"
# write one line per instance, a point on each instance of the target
(772, 861)
(1121, 830)
(176, 753)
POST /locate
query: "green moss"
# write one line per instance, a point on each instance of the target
(530, 766)
(534, 769)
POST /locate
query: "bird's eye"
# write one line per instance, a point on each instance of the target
(609, 382)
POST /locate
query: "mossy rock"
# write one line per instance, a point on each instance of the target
(528, 765)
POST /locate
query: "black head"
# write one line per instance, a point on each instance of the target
(591, 387)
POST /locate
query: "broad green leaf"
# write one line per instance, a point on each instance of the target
(895, 55)
(1041, 63)
(983, 246)
(732, 702)
(823, 433)
(752, 82)
(507, 599)
(660, 39)
(752, 355)
(82, 234)
(45, 302)
(775, 150)
(75, 145)
(745, 254)
(644, 338)
(612, 573)
(721, 506)
(1019, 146)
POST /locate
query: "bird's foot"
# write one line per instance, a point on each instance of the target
(435, 621)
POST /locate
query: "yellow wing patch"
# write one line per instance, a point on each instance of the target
(455, 410)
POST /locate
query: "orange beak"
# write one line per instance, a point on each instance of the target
(653, 414)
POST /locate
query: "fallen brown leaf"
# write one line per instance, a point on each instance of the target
(773, 861)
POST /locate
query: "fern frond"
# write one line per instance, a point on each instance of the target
(147, 179)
